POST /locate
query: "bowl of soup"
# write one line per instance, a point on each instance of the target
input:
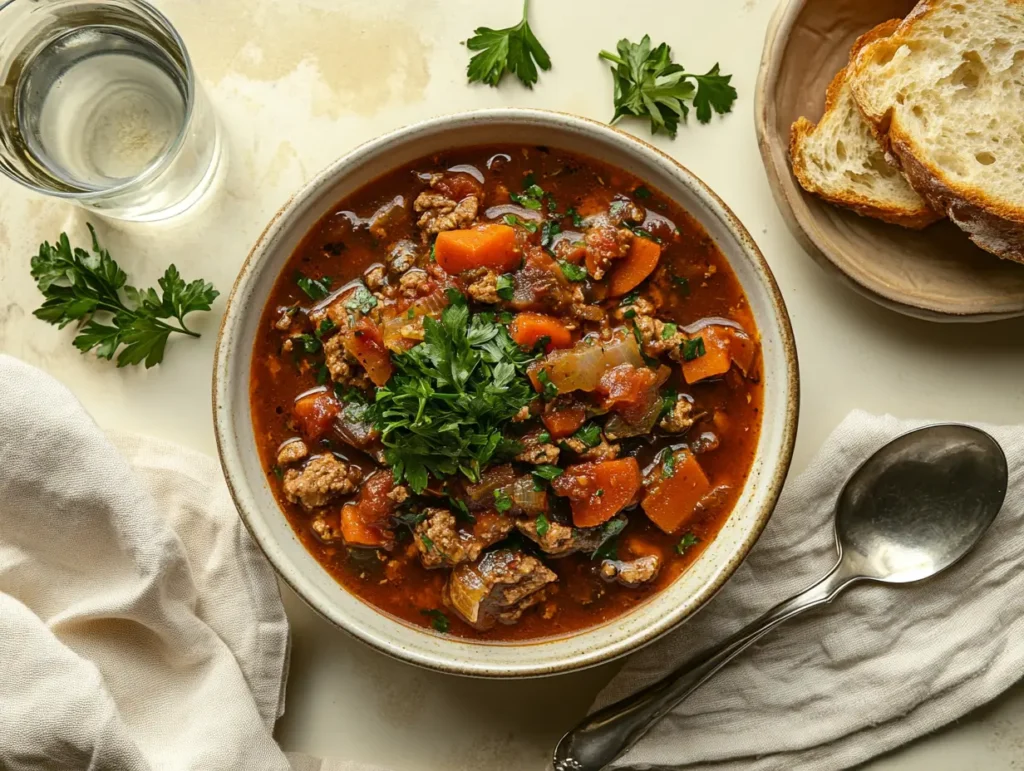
(505, 393)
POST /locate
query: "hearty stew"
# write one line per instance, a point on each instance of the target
(506, 392)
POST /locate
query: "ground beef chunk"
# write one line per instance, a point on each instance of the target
(539, 454)
(656, 340)
(414, 284)
(292, 452)
(285, 316)
(560, 540)
(484, 286)
(641, 306)
(439, 213)
(375, 278)
(603, 245)
(604, 451)
(680, 417)
(401, 257)
(442, 545)
(344, 369)
(323, 478)
(623, 210)
(399, 495)
(497, 589)
(632, 573)
(326, 526)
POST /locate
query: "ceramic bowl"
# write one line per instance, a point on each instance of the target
(937, 273)
(272, 532)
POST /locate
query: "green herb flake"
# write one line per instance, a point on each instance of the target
(326, 327)
(590, 435)
(646, 234)
(323, 375)
(573, 272)
(428, 543)
(689, 540)
(547, 472)
(548, 231)
(550, 390)
(608, 548)
(642, 193)
(411, 313)
(693, 349)
(512, 220)
(544, 437)
(526, 201)
(506, 286)
(629, 299)
(505, 317)
(362, 300)
(629, 314)
(315, 288)
(307, 343)
(502, 502)
(669, 331)
(438, 620)
(668, 464)
(542, 525)
(682, 283)
(278, 472)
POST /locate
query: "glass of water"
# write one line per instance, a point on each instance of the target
(99, 105)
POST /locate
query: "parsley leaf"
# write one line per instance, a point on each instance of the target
(608, 547)
(590, 435)
(668, 464)
(669, 330)
(572, 272)
(315, 288)
(438, 620)
(577, 220)
(688, 541)
(506, 286)
(550, 389)
(78, 286)
(693, 349)
(547, 471)
(443, 410)
(326, 327)
(501, 501)
(514, 49)
(542, 525)
(548, 230)
(513, 220)
(649, 85)
(308, 343)
(362, 300)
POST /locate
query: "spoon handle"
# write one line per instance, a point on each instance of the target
(606, 734)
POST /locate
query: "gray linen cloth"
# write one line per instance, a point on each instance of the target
(877, 668)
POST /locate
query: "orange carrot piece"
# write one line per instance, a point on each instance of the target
(628, 273)
(671, 501)
(723, 346)
(599, 491)
(564, 422)
(315, 414)
(487, 246)
(357, 532)
(366, 343)
(528, 328)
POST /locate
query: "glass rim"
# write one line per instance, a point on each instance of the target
(166, 158)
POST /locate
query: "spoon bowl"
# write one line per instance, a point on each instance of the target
(920, 504)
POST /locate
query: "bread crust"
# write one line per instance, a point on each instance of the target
(991, 224)
(803, 128)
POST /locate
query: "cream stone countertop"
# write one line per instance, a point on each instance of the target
(297, 84)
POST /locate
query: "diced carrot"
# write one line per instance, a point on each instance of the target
(723, 346)
(528, 328)
(315, 413)
(671, 500)
(564, 422)
(357, 531)
(487, 246)
(366, 343)
(628, 273)
(599, 491)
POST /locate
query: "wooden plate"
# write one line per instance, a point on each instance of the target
(936, 274)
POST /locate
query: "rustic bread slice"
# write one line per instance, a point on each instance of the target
(945, 94)
(840, 160)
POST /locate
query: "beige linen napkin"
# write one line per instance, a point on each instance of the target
(877, 668)
(140, 628)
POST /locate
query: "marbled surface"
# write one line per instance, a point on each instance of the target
(298, 83)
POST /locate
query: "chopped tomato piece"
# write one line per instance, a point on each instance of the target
(565, 422)
(599, 491)
(315, 414)
(630, 390)
(366, 343)
(723, 346)
(527, 329)
(672, 498)
(629, 272)
(486, 246)
(458, 185)
(367, 521)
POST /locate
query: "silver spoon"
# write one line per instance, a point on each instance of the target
(915, 508)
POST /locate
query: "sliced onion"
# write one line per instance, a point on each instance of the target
(580, 368)
(526, 497)
(497, 212)
(482, 493)
(713, 321)
(392, 330)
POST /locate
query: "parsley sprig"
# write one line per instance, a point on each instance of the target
(514, 49)
(443, 410)
(91, 288)
(648, 84)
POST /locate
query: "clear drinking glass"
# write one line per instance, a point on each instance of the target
(99, 105)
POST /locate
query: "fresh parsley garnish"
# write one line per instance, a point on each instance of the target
(573, 272)
(78, 286)
(649, 85)
(506, 286)
(548, 230)
(550, 390)
(362, 300)
(513, 220)
(542, 525)
(608, 547)
(629, 299)
(316, 289)
(577, 220)
(689, 540)
(543, 437)
(515, 49)
(668, 464)
(323, 375)
(646, 234)
(307, 343)
(527, 201)
(326, 327)
(443, 410)
(438, 620)
(590, 435)
(668, 401)
(278, 472)
(669, 330)
(547, 472)
(461, 509)
(693, 349)
(502, 502)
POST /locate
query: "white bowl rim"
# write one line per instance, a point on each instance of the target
(230, 452)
